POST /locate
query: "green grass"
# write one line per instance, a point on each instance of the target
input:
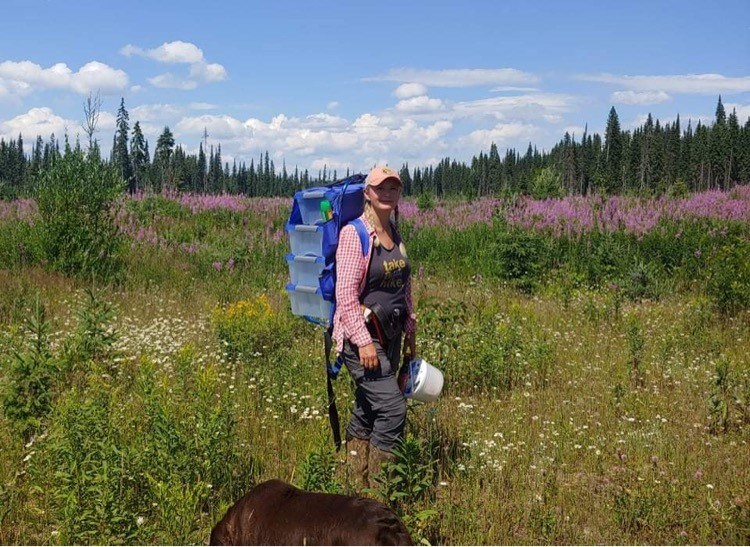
(570, 414)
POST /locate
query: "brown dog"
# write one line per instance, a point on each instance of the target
(276, 513)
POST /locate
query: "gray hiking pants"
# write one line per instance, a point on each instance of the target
(380, 407)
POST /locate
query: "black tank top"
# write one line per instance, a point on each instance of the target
(386, 278)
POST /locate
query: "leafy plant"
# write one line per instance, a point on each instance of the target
(77, 200)
(27, 397)
(95, 336)
(407, 479)
(407, 483)
(318, 472)
(95, 490)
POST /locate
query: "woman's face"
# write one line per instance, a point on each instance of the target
(384, 197)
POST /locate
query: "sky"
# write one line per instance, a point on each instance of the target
(351, 84)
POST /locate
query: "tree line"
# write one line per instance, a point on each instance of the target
(650, 160)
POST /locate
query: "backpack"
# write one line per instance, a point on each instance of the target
(315, 222)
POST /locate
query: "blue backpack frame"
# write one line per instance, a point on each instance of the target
(347, 204)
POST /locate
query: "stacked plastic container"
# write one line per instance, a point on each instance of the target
(313, 228)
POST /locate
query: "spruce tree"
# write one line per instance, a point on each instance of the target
(202, 168)
(138, 158)
(120, 154)
(612, 153)
(718, 147)
(162, 157)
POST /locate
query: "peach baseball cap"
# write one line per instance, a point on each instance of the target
(380, 174)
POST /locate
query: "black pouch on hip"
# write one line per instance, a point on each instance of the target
(391, 324)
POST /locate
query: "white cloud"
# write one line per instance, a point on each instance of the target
(531, 106)
(24, 77)
(179, 52)
(218, 127)
(176, 52)
(422, 103)
(711, 84)
(323, 120)
(640, 97)
(208, 72)
(333, 105)
(503, 134)
(37, 121)
(405, 91)
(95, 76)
(169, 52)
(321, 137)
(465, 77)
(43, 122)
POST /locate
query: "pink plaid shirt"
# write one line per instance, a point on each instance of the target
(351, 276)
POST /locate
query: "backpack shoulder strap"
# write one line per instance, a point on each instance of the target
(332, 372)
(364, 235)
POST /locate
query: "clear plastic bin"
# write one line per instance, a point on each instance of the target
(308, 301)
(309, 206)
(305, 270)
(305, 240)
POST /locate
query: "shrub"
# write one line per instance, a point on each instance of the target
(77, 201)
(521, 257)
(546, 183)
(250, 327)
(426, 202)
(728, 284)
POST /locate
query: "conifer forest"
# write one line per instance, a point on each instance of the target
(650, 160)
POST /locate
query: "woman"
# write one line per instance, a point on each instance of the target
(373, 309)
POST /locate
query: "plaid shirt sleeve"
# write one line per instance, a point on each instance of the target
(350, 271)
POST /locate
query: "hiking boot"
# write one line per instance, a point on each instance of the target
(378, 458)
(357, 455)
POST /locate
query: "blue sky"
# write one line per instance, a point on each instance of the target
(349, 84)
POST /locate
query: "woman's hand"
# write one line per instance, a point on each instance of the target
(368, 356)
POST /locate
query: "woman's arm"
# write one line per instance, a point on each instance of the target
(350, 270)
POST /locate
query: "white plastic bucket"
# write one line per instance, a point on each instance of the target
(425, 381)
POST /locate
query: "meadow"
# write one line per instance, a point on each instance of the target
(596, 354)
